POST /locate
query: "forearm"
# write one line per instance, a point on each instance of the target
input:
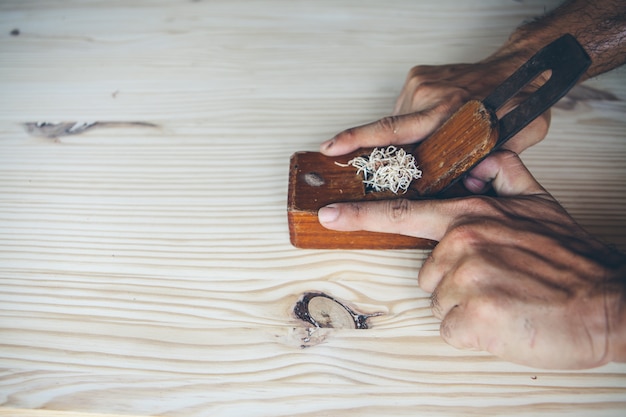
(599, 25)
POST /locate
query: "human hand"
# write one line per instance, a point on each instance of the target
(431, 94)
(514, 274)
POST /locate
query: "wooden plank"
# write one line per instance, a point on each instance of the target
(145, 265)
(15, 412)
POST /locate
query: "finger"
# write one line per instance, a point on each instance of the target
(439, 269)
(426, 85)
(529, 136)
(416, 76)
(532, 134)
(482, 324)
(510, 334)
(403, 104)
(443, 260)
(426, 219)
(459, 263)
(396, 130)
(430, 274)
(458, 329)
(460, 273)
(475, 184)
(506, 173)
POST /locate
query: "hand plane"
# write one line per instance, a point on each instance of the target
(465, 139)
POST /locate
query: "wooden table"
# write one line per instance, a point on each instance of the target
(145, 264)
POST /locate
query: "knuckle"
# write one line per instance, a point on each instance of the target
(398, 211)
(387, 124)
(450, 100)
(464, 235)
(477, 206)
(435, 305)
(424, 89)
(421, 98)
(418, 71)
(348, 135)
(483, 312)
(464, 329)
(483, 308)
(439, 98)
(446, 329)
(455, 329)
(356, 210)
(352, 216)
(470, 273)
(455, 99)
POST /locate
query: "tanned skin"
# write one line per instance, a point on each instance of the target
(513, 274)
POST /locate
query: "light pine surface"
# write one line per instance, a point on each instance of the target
(145, 264)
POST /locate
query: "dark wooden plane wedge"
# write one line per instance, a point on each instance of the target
(464, 140)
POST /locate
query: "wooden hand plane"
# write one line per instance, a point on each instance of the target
(470, 135)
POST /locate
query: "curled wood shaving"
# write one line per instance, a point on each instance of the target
(387, 169)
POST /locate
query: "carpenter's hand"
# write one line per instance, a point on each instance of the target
(514, 274)
(431, 94)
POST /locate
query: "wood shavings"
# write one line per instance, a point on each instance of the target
(387, 169)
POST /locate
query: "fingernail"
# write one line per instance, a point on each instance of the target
(475, 185)
(328, 214)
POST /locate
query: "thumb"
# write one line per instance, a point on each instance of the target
(390, 130)
(507, 174)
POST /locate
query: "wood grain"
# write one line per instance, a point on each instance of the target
(460, 143)
(146, 269)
